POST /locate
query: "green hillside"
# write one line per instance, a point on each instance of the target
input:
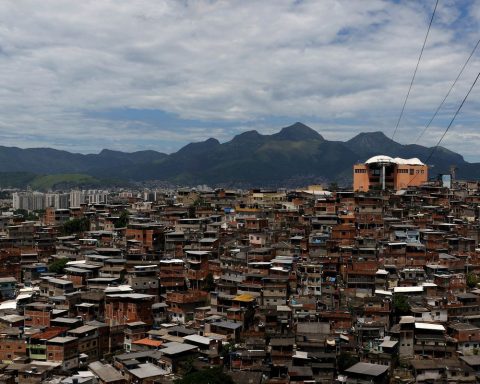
(61, 181)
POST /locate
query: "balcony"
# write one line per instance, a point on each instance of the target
(37, 356)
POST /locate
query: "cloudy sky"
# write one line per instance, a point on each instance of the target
(133, 75)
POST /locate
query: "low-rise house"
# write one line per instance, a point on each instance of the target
(37, 314)
(134, 331)
(51, 286)
(281, 350)
(123, 308)
(446, 370)
(174, 353)
(32, 373)
(37, 342)
(145, 373)
(229, 329)
(106, 374)
(12, 344)
(366, 372)
(467, 337)
(8, 286)
(431, 340)
(88, 342)
(63, 350)
(181, 305)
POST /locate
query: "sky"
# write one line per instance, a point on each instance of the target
(135, 75)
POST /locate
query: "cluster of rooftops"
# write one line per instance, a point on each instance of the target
(271, 286)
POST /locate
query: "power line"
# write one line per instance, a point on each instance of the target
(415, 72)
(453, 119)
(449, 125)
(448, 93)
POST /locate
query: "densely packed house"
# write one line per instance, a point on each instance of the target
(272, 286)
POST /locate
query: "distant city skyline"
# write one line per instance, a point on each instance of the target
(83, 76)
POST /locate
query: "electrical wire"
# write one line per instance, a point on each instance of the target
(415, 72)
(449, 125)
(448, 93)
(453, 118)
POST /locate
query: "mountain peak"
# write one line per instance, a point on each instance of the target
(106, 151)
(298, 132)
(199, 147)
(247, 136)
(367, 144)
(375, 134)
(211, 141)
(372, 138)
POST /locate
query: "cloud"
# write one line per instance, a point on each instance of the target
(78, 75)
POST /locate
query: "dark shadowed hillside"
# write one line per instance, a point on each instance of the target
(296, 155)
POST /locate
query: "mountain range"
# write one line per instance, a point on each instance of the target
(294, 156)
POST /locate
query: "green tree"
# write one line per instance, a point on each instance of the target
(209, 283)
(28, 216)
(187, 366)
(472, 280)
(57, 266)
(206, 376)
(122, 220)
(400, 305)
(76, 226)
(226, 352)
(345, 361)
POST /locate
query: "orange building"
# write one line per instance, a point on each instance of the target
(384, 172)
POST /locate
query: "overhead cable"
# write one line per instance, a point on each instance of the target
(448, 93)
(415, 72)
(449, 125)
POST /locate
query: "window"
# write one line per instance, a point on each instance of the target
(412, 171)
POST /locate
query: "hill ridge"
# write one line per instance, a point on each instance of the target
(293, 156)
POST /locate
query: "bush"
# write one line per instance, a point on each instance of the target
(472, 280)
(76, 226)
(400, 305)
(345, 361)
(57, 266)
(123, 220)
